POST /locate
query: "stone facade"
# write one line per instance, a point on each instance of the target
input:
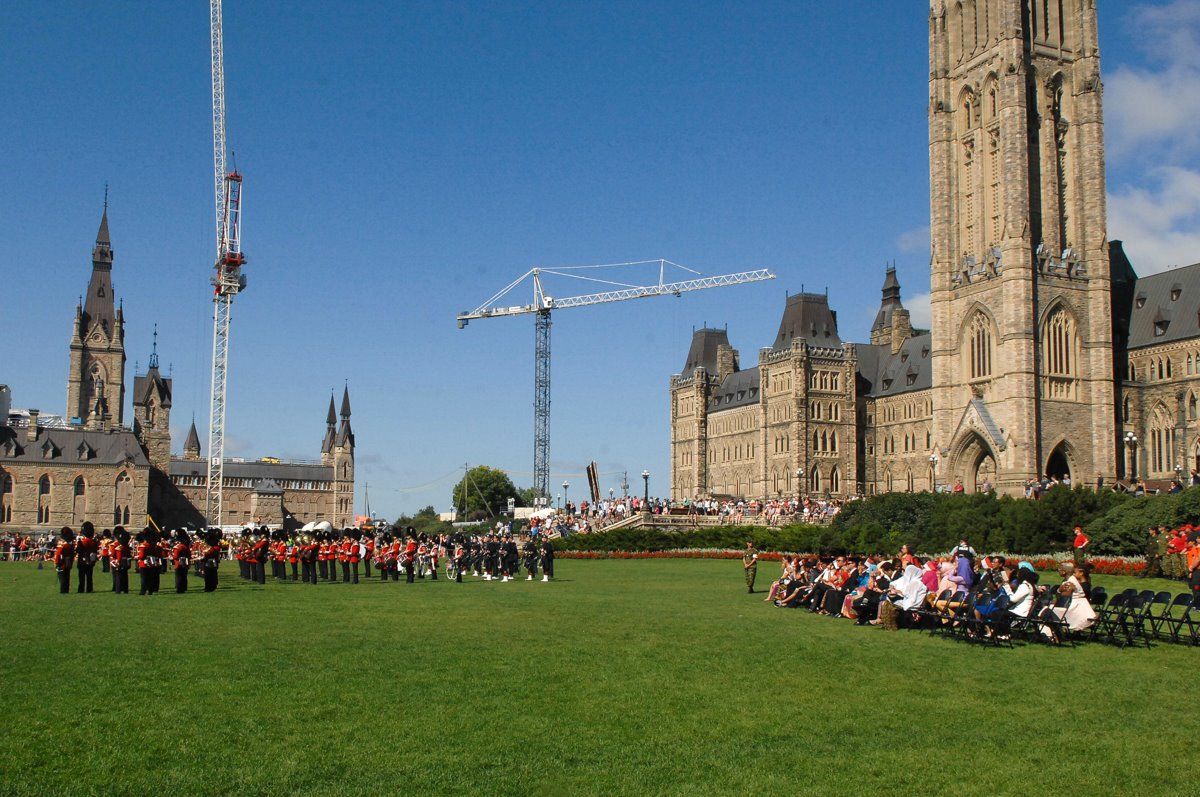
(1041, 330)
(89, 466)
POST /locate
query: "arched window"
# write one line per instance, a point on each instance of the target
(1162, 441)
(835, 481)
(979, 348)
(887, 480)
(79, 501)
(123, 497)
(910, 481)
(814, 480)
(1060, 355)
(833, 444)
(6, 496)
(1126, 409)
(1168, 361)
(1191, 406)
(43, 502)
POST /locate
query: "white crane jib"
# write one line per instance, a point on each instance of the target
(541, 306)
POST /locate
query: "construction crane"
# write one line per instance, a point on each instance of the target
(543, 304)
(228, 280)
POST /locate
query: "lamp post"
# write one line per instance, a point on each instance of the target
(558, 500)
(799, 483)
(646, 481)
(1179, 473)
(1131, 441)
(933, 463)
(610, 494)
(566, 487)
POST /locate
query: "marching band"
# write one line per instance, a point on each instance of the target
(306, 558)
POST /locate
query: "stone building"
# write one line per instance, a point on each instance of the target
(89, 465)
(1047, 353)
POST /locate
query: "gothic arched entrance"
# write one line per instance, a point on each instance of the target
(974, 465)
(1058, 466)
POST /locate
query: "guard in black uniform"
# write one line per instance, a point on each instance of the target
(547, 559)
(531, 559)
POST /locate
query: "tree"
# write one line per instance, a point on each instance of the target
(484, 492)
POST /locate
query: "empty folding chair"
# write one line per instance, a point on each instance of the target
(1157, 613)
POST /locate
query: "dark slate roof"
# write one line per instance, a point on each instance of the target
(703, 353)
(807, 316)
(193, 439)
(738, 390)
(1155, 317)
(98, 305)
(887, 374)
(331, 418)
(103, 448)
(279, 471)
(891, 300)
(345, 434)
(152, 381)
(346, 402)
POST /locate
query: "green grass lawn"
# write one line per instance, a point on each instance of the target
(623, 677)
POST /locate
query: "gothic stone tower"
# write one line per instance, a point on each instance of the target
(343, 468)
(152, 425)
(1022, 326)
(96, 383)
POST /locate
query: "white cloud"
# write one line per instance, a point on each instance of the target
(914, 241)
(919, 311)
(1158, 104)
(1159, 222)
(1152, 112)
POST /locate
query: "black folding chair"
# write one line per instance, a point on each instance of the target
(1174, 617)
(1132, 622)
(930, 615)
(1054, 619)
(1106, 618)
(1156, 614)
(1030, 626)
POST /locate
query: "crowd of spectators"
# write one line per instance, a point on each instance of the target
(587, 517)
(904, 591)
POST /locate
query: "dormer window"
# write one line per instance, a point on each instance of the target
(1140, 301)
(924, 352)
(1176, 292)
(1160, 327)
(85, 452)
(887, 384)
(49, 450)
(904, 356)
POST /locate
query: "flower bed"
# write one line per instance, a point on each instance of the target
(1102, 565)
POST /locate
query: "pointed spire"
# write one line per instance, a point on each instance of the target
(331, 418)
(102, 238)
(191, 449)
(346, 402)
(154, 351)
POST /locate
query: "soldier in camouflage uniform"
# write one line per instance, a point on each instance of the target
(1153, 561)
(750, 565)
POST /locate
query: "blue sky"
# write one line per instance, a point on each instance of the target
(403, 161)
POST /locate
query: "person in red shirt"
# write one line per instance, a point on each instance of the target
(148, 554)
(410, 556)
(64, 557)
(355, 554)
(181, 560)
(105, 543)
(87, 551)
(119, 558)
(395, 551)
(1080, 546)
(260, 551)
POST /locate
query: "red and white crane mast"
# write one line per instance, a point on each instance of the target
(228, 280)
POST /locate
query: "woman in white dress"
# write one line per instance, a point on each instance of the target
(1079, 614)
